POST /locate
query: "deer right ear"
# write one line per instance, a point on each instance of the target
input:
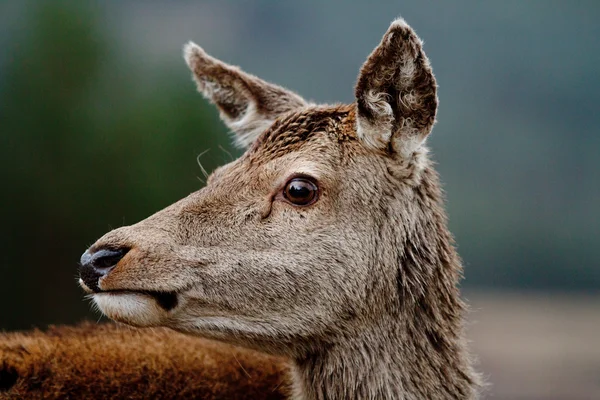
(396, 93)
(248, 105)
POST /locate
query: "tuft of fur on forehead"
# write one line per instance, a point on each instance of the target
(291, 131)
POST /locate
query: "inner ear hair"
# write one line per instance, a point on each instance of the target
(248, 105)
(396, 93)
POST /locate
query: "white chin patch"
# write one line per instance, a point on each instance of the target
(131, 308)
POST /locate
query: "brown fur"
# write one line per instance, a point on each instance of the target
(296, 129)
(358, 289)
(105, 361)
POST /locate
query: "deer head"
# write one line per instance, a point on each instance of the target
(329, 226)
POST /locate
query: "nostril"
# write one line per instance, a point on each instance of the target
(95, 265)
(107, 258)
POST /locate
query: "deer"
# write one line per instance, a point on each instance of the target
(324, 246)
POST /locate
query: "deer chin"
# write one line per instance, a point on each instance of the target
(138, 308)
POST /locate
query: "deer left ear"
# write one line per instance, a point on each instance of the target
(248, 105)
(396, 93)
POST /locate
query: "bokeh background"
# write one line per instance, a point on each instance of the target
(100, 126)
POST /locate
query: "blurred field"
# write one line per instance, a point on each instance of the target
(537, 346)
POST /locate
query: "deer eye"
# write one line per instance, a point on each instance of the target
(301, 191)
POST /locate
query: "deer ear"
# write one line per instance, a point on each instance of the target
(248, 105)
(396, 93)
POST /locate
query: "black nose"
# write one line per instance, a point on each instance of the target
(97, 264)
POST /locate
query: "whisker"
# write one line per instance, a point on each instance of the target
(200, 164)
(241, 366)
(226, 152)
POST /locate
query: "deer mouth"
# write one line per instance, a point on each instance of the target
(166, 300)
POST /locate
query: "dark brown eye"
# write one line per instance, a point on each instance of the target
(300, 191)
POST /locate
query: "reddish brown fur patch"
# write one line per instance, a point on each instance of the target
(111, 362)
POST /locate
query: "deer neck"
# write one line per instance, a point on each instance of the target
(383, 364)
(419, 354)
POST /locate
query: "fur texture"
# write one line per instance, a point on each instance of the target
(359, 288)
(93, 361)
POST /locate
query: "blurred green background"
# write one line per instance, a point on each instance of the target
(100, 126)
